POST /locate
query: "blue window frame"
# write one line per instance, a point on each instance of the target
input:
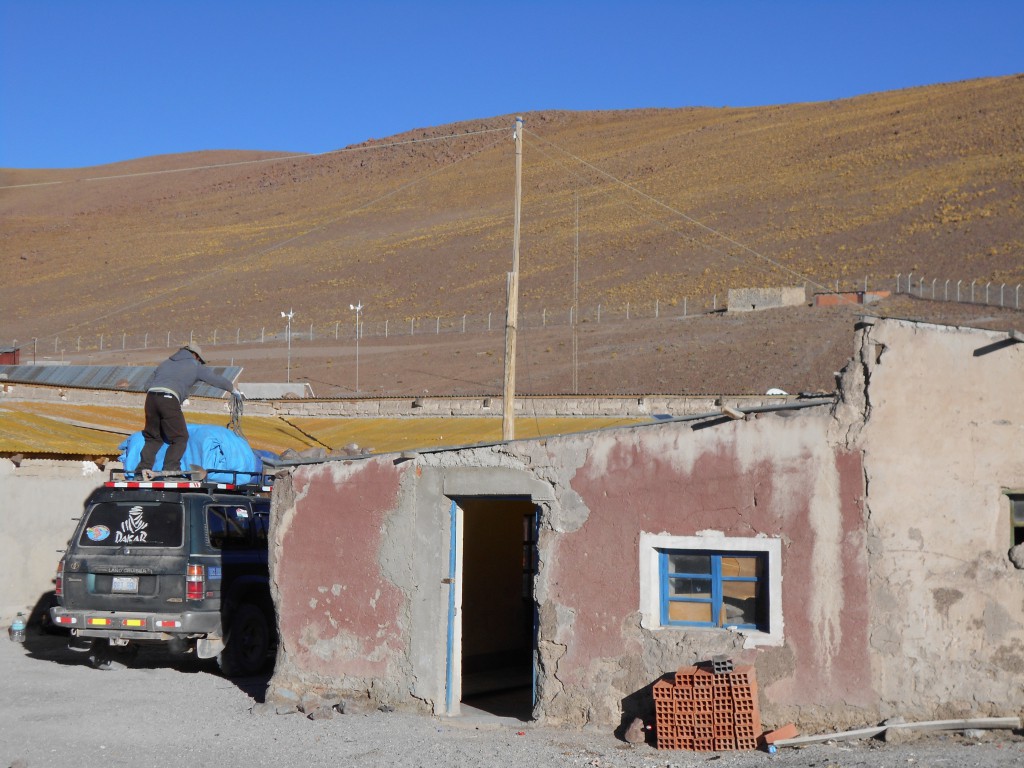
(707, 588)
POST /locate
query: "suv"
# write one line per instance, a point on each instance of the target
(180, 563)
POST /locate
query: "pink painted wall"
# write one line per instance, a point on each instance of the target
(338, 613)
(739, 488)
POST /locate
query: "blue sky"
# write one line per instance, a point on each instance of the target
(87, 82)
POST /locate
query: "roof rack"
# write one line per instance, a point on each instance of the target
(197, 478)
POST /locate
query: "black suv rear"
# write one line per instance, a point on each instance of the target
(179, 563)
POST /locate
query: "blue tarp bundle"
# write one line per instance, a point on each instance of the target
(209, 447)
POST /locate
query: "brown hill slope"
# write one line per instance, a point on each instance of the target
(673, 205)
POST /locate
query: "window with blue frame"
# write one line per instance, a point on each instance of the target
(706, 588)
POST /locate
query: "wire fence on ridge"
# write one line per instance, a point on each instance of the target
(326, 330)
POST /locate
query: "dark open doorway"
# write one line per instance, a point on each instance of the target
(499, 560)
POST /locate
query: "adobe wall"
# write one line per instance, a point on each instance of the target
(41, 498)
(361, 551)
(898, 597)
(942, 436)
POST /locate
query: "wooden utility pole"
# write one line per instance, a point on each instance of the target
(508, 401)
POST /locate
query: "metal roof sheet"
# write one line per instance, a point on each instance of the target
(124, 378)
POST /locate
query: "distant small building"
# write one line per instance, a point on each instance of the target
(271, 391)
(849, 297)
(753, 299)
(10, 355)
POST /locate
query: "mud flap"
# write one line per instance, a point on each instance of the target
(208, 647)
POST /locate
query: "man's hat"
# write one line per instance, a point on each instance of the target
(196, 350)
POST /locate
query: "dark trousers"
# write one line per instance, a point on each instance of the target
(165, 423)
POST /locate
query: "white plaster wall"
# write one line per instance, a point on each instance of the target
(942, 440)
(40, 500)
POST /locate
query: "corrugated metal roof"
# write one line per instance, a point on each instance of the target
(124, 378)
(94, 430)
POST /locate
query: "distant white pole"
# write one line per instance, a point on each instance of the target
(289, 315)
(357, 308)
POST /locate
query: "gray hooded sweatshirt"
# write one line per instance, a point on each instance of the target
(180, 372)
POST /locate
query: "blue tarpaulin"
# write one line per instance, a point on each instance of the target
(209, 447)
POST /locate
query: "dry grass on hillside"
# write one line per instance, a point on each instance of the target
(671, 204)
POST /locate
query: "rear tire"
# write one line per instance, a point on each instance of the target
(246, 644)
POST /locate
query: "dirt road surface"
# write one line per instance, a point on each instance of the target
(56, 711)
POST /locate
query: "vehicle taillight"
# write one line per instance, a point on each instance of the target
(59, 581)
(195, 582)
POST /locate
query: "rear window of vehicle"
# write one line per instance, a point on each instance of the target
(140, 524)
(228, 526)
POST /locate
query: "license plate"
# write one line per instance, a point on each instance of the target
(125, 584)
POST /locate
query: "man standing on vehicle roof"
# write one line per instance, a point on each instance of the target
(169, 385)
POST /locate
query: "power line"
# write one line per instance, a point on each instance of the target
(237, 163)
(234, 264)
(677, 212)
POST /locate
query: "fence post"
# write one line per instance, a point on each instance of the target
(627, 310)
(385, 329)
(463, 322)
(865, 283)
(945, 293)
(684, 306)
(336, 324)
(168, 339)
(488, 321)
(215, 337)
(412, 327)
(238, 336)
(437, 331)
(145, 341)
(986, 291)
(958, 290)
(598, 314)
(1016, 301)
(79, 344)
(972, 290)
(101, 342)
(656, 309)
(897, 282)
(1001, 287)
(714, 302)
(310, 331)
(544, 317)
(124, 340)
(263, 335)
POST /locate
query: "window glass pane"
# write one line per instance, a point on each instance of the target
(118, 523)
(685, 563)
(229, 526)
(687, 587)
(1017, 507)
(739, 601)
(742, 567)
(690, 612)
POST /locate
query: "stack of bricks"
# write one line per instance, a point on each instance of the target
(701, 711)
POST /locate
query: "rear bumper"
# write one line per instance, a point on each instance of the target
(127, 625)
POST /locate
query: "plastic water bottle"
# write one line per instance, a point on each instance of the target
(17, 629)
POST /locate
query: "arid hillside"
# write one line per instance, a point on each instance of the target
(628, 211)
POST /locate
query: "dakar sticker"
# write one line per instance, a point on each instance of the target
(97, 532)
(133, 530)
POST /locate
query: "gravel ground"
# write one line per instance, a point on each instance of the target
(57, 711)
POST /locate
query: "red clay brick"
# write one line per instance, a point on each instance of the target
(788, 731)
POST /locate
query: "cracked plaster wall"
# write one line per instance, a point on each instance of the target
(942, 438)
(898, 597)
